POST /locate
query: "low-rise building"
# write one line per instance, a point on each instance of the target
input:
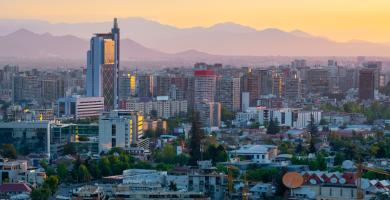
(10, 169)
(32, 177)
(255, 153)
(80, 107)
(89, 193)
(9, 190)
(261, 189)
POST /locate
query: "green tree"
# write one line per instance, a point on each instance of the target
(118, 150)
(8, 151)
(255, 125)
(149, 133)
(50, 171)
(321, 162)
(350, 151)
(62, 171)
(338, 159)
(69, 148)
(181, 159)
(153, 114)
(161, 131)
(280, 187)
(380, 196)
(172, 186)
(323, 122)
(104, 166)
(83, 138)
(169, 154)
(52, 182)
(271, 127)
(39, 194)
(43, 164)
(82, 172)
(312, 129)
(182, 137)
(346, 108)
(197, 136)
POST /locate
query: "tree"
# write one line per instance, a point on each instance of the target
(50, 171)
(353, 134)
(280, 187)
(69, 148)
(338, 159)
(118, 150)
(271, 127)
(197, 136)
(104, 166)
(153, 114)
(94, 171)
(321, 162)
(182, 137)
(43, 164)
(168, 154)
(149, 133)
(83, 138)
(276, 126)
(255, 125)
(312, 126)
(164, 180)
(61, 171)
(346, 108)
(350, 151)
(82, 172)
(181, 160)
(52, 182)
(172, 186)
(160, 131)
(380, 196)
(8, 151)
(39, 194)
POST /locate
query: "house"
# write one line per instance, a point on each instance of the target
(260, 189)
(13, 189)
(256, 153)
(348, 133)
(380, 184)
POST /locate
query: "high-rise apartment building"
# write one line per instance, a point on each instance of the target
(293, 88)
(126, 86)
(318, 80)
(332, 63)
(228, 93)
(361, 59)
(103, 67)
(18, 85)
(366, 84)
(377, 68)
(277, 86)
(351, 78)
(298, 63)
(210, 113)
(204, 86)
(163, 85)
(252, 85)
(119, 128)
(11, 68)
(80, 107)
(31, 88)
(145, 85)
(51, 90)
(266, 81)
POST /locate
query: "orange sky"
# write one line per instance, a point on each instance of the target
(336, 19)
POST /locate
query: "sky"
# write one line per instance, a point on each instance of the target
(340, 20)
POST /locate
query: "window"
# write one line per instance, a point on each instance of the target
(113, 142)
(258, 156)
(263, 156)
(144, 196)
(113, 130)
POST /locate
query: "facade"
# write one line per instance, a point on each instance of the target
(351, 78)
(33, 137)
(318, 80)
(46, 114)
(277, 87)
(204, 86)
(266, 81)
(119, 128)
(295, 118)
(51, 90)
(11, 169)
(126, 86)
(176, 93)
(298, 63)
(255, 153)
(31, 176)
(366, 84)
(228, 93)
(252, 85)
(163, 85)
(103, 67)
(145, 85)
(210, 114)
(377, 68)
(89, 193)
(293, 88)
(145, 107)
(80, 107)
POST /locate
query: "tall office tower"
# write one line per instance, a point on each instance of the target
(11, 68)
(361, 59)
(266, 81)
(332, 63)
(377, 67)
(351, 78)
(145, 85)
(252, 85)
(318, 80)
(126, 86)
(210, 113)
(103, 67)
(366, 84)
(293, 88)
(228, 93)
(277, 86)
(31, 88)
(163, 85)
(190, 97)
(18, 84)
(119, 128)
(298, 63)
(204, 85)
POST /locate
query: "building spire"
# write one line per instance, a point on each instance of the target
(115, 23)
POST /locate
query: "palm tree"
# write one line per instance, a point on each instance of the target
(354, 135)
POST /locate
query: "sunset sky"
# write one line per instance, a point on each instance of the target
(339, 20)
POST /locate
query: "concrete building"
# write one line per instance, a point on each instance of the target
(210, 114)
(46, 114)
(145, 107)
(277, 87)
(318, 80)
(11, 169)
(228, 93)
(377, 68)
(163, 85)
(145, 85)
(103, 67)
(80, 107)
(366, 84)
(51, 90)
(32, 176)
(295, 118)
(89, 193)
(351, 78)
(256, 153)
(293, 88)
(126, 86)
(266, 81)
(298, 63)
(204, 86)
(332, 63)
(252, 85)
(119, 128)
(176, 93)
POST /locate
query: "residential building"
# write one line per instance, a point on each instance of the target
(292, 117)
(266, 81)
(14, 191)
(163, 85)
(10, 169)
(332, 63)
(204, 86)
(32, 176)
(318, 80)
(126, 86)
(210, 113)
(293, 88)
(228, 93)
(119, 128)
(176, 93)
(44, 114)
(277, 86)
(376, 67)
(366, 84)
(298, 63)
(51, 90)
(144, 106)
(103, 67)
(80, 107)
(89, 192)
(252, 86)
(261, 189)
(255, 153)
(145, 85)
(351, 78)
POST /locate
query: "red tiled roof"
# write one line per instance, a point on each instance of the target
(15, 187)
(323, 133)
(349, 133)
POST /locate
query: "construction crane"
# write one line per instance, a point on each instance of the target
(360, 166)
(230, 166)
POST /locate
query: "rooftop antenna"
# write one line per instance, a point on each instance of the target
(115, 23)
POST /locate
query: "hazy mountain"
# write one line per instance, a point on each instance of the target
(192, 54)
(24, 43)
(136, 28)
(300, 33)
(266, 42)
(358, 41)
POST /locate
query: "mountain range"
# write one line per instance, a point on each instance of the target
(141, 38)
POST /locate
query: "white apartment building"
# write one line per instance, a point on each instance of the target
(164, 108)
(119, 128)
(292, 117)
(256, 153)
(210, 114)
(145, 107)
(80, 107)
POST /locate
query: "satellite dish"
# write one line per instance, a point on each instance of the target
(347, 164)
(292, 180)
(333, 180)
(311, 194)
(313, 182)
(365, 183)
(342, 180)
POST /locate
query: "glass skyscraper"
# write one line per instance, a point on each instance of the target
(103, 67)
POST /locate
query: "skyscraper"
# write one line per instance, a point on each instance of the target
(103, 67)
(366, 84)
(228, 93)
(204, 85)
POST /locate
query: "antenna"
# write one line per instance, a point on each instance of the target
(333, 180)
(347, 164)
(292, 180)
(365, 183)
(342, 180)
(313, 182)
